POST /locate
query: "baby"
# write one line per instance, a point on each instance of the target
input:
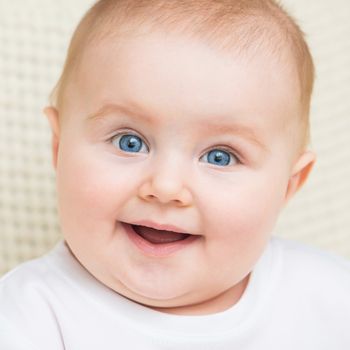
(179, 133)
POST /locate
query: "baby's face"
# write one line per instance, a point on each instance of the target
(186, 139)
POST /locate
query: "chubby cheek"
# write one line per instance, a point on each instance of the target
(241, 219)
(91, 191)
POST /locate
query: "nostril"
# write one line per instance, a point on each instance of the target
(151, 196)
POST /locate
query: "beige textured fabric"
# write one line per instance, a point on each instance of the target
(34, 35)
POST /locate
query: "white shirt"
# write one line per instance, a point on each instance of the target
(297, 298)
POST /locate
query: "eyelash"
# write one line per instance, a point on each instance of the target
(223, 148)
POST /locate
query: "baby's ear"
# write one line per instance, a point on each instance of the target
(53, 117)
(300, 173)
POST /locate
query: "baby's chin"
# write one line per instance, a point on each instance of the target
(180, 305)
(151, 296)
(173, 300)
(168, 299)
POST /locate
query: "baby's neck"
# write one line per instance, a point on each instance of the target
(217, 304)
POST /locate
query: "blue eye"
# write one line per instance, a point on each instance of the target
(219, 157)
(129, 143)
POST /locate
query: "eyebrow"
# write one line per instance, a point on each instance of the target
(236, 129)
(117, 108)
(211, 127)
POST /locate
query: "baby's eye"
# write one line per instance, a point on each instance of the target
(130, 143)
(219, 157)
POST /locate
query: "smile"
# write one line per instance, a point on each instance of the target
(156, 236)
(160, 241)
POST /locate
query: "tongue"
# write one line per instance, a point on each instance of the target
(158, 236)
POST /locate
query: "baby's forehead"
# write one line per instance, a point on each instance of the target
(240, 27)
(268, 50)
(192, 57)
(178, 75)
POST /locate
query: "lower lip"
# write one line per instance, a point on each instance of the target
(158, 250)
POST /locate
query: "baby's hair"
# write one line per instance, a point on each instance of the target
(243, 26)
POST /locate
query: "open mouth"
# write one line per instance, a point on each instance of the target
(159, 241)
(155, 236)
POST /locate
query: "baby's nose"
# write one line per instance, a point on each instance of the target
(166, 187)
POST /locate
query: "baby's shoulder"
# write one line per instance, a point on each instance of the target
(25, 279)
(312, 269)
(23, 290)
(300, 254)
(26, 295)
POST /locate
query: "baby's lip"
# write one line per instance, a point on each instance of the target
(161, 227)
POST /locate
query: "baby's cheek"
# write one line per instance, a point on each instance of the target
(244, 212)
